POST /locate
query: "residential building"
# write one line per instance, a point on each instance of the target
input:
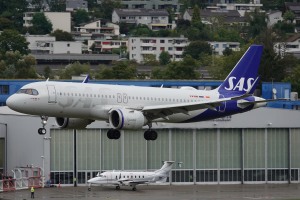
(154, 19)
(39, 44)
(219, 47)
(273, 17)
(229, 17)
(59, 20)
(98, 29)
(102, 46)
(295, 8)
(242, 8)
(72, 5)
(290, 46)
(152, 4)
(140, 47)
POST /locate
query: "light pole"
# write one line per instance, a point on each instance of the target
(43, 160)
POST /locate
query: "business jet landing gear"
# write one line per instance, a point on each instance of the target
(42, 131)
(113, 134)
(150, 135)
(133, 188)
(117, 187)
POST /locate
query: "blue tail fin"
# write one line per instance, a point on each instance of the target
(243, 76)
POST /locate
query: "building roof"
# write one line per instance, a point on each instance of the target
(141, 12)
(293, 6)
(293, 38)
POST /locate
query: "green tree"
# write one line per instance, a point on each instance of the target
(15, 65)
(11, 40)
(105, 9)
(57, 5)
(48, 73)
(80, 16)
(289, 16)
(13, 10)
(74, 69)
(5, 23)
(196, 49)
(40, 24)
(227, 51)
(120, 70)
(164, 58)
(62, 35)
(196, 15)
(150, 59)
(185, 69)
(257, 23)
(293, 78)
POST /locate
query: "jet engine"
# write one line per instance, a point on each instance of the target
(127, 119)
(72, 123)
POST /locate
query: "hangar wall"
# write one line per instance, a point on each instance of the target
(202, 156)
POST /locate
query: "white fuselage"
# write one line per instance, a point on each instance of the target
(93, 101)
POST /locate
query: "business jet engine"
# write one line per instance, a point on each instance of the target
(127, 119)
(72, 123)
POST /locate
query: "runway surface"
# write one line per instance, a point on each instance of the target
(165, 192)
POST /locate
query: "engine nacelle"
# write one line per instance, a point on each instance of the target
(72, 123)
(127, 119)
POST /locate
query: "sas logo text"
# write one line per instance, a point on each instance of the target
(240, 85)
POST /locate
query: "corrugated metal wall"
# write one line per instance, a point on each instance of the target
(220, 155)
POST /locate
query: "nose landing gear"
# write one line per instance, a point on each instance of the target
(42, 131)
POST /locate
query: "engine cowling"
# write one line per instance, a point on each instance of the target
(127, 119)
(72, 123)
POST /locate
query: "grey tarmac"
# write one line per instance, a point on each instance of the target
(165, 192)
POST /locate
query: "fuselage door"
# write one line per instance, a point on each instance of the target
(51, 94)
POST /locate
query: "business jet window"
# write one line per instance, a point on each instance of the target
(28, 91)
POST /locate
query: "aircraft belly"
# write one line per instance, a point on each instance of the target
(180, 117)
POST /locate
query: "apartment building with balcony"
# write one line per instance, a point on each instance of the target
(97, 29)
(106, 46)
(140, 47)
(219, 47)
(154, 19)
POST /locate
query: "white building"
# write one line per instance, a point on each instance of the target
(219, 47)
(39, 44)
(107, 45)
(242, 8)
(274, 17)
(59, 20)
(140, 47)
(154, 19)
(102, 27)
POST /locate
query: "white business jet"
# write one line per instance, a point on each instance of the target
(76, 105)
(127, 178)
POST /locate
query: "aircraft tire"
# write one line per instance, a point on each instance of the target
(134, 188)
(153, 135)
(116, 134)
(117, 187)
(89, 189)
(42, 131)
(147, 135)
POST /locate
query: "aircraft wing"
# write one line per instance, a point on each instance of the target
(163, 111)
(131, 182)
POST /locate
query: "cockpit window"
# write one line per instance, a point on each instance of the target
(28, 91)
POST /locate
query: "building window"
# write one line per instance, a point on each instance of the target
(4, 89)
(68, 45)
(170, 48)
(162, 41)
(162, 48)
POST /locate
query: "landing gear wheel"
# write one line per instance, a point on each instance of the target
(113, 134)
(89, 189)
(134, 188)
(117, 187)
(150, 135)
(42, 131)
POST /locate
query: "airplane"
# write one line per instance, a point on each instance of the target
(127, 178)
(76, 105)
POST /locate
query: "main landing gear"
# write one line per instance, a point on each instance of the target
(115, 134)
(42, 131)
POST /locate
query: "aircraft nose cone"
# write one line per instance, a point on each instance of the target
(13, 103)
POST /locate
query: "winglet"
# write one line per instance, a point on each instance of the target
(86, 79)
